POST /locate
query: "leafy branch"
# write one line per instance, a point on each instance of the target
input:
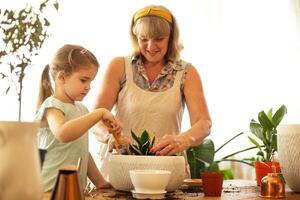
(23, 33)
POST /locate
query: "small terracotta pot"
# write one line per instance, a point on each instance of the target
(263, 168)
(212, 183)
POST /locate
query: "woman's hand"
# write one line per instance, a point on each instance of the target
(171, 144)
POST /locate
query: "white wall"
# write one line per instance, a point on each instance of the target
(246, 51)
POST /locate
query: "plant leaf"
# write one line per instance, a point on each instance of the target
(43, 5)
(195, 167)
(152, 142)
(279, 114)
(239, 134)
(200, 157)
(46, 22)
(144, 137)
(265, 122)
(135, 150)
(2, 75)
(254, 142)
(56, 5)
(261, 154)
(205, 151)
(270, 113)
(214, 167)
(145, 148)
(135, 138)
(228, 174)
(257, 129)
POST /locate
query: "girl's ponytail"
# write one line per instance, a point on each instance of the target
(45, 89)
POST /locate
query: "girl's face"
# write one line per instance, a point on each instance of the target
(153, 49)
(78, 84)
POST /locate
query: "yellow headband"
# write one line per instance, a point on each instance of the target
(153, 11)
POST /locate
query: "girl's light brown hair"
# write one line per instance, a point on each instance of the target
(151, 26)
(68, 59)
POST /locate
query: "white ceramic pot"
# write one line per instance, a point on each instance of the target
(20, 176)
(120, 165)
(288, 141)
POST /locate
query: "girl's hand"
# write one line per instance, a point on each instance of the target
(100, 132)
(112, 124)
(122, 140)
(170, 145)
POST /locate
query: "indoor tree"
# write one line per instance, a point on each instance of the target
(23, 33)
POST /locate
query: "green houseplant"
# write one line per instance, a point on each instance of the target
(142, 144)
(202, 158)
(23, 33)
(265, 132)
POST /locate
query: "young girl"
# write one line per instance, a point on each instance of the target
(64, 120)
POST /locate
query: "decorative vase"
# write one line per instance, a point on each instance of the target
(263, 168)
(212, 183)
(20, 170)
(288, 140)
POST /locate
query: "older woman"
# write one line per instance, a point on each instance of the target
(150, 88)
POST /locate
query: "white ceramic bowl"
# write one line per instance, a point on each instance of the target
(120, 165)
(149, 180)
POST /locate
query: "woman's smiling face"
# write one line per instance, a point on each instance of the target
(153, 49)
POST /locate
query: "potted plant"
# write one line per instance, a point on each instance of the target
(202, 158)
(202, 164)
(265, 132)
(140, 158)
(212, 183)
(142, 144)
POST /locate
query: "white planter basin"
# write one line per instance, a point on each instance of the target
(120, 165)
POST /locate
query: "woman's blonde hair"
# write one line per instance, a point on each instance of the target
(156, 26)
(68, 59)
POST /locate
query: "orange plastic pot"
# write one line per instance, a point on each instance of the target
(212, 183)
(263, 168)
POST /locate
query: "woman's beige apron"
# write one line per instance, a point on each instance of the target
(159, 113)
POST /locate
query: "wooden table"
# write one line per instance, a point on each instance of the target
(232, 189)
